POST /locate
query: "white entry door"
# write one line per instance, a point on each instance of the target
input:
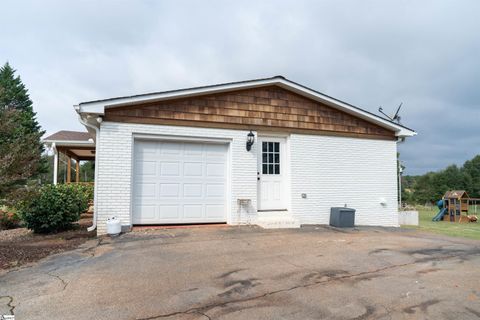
(179, 182)
(271, 173)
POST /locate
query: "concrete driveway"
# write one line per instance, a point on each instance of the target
(250, 273)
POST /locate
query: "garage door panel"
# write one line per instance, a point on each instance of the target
(192, 190)
(145, 190)
(215, 150)
(147, 212)
(215, 190)
(215, 170)
(169, 212)
(193, 211)
(146, 168)
(176, 182)
(214, 211)
(147, 148)
(170, 148)
(170, 169)
(169, 190)
(193, 149)
(192, 169)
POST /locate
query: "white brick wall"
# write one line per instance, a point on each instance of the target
(114, 158)
(334, 171)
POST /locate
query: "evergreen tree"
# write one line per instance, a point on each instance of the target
(14, 96)
(20, 134)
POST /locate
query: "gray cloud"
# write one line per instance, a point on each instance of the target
(369, 53)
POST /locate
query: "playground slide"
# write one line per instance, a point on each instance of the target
(440, 215)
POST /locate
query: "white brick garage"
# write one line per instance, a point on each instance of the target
(331, 171)
(179, 182)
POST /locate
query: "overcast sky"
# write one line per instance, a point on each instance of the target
(425, 54)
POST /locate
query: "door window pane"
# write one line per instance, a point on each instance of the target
(270, 157)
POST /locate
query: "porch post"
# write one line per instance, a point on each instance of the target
(77, 170)
(55, 164)
(69, 169)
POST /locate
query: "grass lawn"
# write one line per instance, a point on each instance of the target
(465, 230)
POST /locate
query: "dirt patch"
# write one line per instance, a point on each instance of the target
(21, 246)
(13, 234)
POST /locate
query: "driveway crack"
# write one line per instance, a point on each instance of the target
(64, 283)
(9, 304)
(202, 309)
(202, 314)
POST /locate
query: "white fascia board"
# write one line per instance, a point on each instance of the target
(68, 143)
(98, 107)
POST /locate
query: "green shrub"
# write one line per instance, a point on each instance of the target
(54, 208)
(9, 219)
(87, 190)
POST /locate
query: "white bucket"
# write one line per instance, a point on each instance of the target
(114, 226)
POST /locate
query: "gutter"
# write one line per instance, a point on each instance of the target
(95, 190)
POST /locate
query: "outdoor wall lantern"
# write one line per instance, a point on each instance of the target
(250, 140)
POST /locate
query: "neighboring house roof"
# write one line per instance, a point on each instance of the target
(65, 135)
(98, 106)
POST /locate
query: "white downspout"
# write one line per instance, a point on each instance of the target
(399, 168)
(95, 192)
(55, 163)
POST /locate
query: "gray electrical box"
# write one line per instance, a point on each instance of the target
(342, 217)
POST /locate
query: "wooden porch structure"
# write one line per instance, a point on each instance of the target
(78, 146)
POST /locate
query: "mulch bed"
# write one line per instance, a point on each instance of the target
(20, 246)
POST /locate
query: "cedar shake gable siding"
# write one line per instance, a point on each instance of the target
(265, 108)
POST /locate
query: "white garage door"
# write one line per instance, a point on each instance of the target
(179, 182)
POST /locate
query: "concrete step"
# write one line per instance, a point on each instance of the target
(276, 220)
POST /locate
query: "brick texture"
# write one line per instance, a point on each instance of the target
(332, 171)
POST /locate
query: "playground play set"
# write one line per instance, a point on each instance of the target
(454, 207)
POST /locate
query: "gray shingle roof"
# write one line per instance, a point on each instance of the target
(65, 135)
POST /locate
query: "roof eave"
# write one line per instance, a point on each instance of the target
(69, 143)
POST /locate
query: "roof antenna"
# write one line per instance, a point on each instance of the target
(396, 117)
